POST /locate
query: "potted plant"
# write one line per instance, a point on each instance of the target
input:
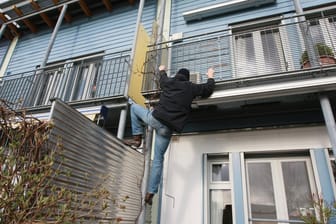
(325, 53)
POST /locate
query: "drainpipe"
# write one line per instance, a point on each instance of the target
(149, 133)
(329, 121)
(307, 38)
(2, 29)
(147, 153)
(46, 56)
(123, 113)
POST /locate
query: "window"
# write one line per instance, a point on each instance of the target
(279, 188)
(71, 80)
(257, 52)
(219, 190)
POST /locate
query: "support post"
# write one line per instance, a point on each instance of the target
(137, 27)
(123, 115)
(41, 79)
(2, 29)
(53, 36)
(307, 38)
(122, 123)
(329, 121)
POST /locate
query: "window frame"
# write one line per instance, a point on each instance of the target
(208, 184)
(278, 183)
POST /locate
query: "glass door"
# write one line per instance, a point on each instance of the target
(279, 189)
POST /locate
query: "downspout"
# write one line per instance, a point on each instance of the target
(159, 40)
(149, 133)
(123, 113)
(2, 29)
(46, 56)
(329, 121)
(307, 38)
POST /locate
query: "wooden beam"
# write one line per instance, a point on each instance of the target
(43, 15)
(8, 35)
(108, 5)
(85, 8)
(11, 25)
(67, 16)
(27, 22)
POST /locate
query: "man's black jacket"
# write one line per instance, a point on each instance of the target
(177, 95)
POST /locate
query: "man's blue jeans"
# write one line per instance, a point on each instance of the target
(141, 117)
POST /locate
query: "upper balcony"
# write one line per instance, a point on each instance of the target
(256, 59)
(252, 60)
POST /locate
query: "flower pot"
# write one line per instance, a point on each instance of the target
(324, 60)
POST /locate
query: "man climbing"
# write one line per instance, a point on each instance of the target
(170, 114)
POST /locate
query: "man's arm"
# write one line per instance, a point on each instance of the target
(206, 89)
(162, 74)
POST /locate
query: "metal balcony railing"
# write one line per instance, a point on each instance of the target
(80, 80)
(277, 46)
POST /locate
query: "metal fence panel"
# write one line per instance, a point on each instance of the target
(92, 155)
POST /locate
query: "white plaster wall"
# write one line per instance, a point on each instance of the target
(182, 196)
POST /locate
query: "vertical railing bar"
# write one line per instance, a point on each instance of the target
(63, 89)
(114, 79)
(61, 77)
(100, 77)
(105, 74)
(74, 70)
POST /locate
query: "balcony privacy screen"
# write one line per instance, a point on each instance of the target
(94, 157)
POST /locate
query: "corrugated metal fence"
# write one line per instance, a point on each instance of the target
(95, 157)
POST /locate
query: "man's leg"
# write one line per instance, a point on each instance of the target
(160, 147)
(139, 118)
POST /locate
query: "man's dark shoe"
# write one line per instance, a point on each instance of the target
(135, 142)
(149, 198)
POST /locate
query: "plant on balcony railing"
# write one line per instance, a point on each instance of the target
(325, 54)
(33, 181)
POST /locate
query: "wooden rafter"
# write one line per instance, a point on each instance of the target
(85, 8)
(27, 22)
(43, 15)
(7, 34)
(67, 15)
(108, 5)
(11, 26)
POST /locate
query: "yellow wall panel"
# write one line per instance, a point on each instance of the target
(138, 67)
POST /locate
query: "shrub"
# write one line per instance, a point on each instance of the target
(29, 169)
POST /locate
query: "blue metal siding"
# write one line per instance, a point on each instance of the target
(178, 23)
(109, 32)
(324, 175)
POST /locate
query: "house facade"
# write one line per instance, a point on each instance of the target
(259, 150)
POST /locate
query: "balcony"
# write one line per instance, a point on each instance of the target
(251, 59)
(254, 56)
(77, 81)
